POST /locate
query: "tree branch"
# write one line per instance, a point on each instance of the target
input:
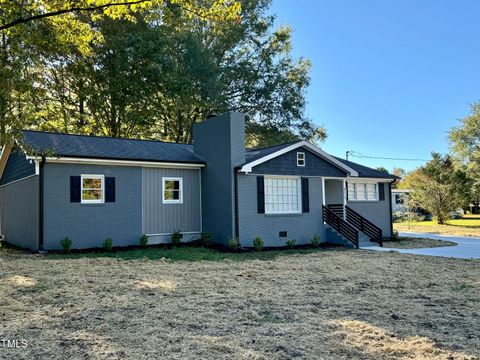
(22, 20)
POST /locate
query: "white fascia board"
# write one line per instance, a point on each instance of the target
(6, 150)
(369, 180)
(316, 150)
(72, 160)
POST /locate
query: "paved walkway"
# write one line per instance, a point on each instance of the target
(466, 248)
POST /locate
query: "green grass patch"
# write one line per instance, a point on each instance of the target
(464, 222)
(185, 253)
(469, 225)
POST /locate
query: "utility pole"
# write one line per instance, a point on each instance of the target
(346, 154)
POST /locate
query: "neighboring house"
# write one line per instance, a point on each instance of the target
(92, 188)
(400, 200)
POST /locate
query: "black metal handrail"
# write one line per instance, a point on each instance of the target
(337, 209)
(364, 225)
(340, 225)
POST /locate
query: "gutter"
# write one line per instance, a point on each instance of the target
(390, 206)
(41, 205)
(235, 189)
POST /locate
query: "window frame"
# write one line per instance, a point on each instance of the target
(303, 158)
(299, 195)
(180, 190)
(399, 200)
(355, 184)
(100, 177)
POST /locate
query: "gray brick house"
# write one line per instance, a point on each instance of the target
(92, 188)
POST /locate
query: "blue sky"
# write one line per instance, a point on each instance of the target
(389, 78)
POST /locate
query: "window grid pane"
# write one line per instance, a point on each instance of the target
(92, 188)
(172, 190)
(281, 195)
(371, 191)
(362, 192)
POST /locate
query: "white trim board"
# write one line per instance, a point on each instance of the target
(95, 161)
(15, 181)
(6, 150)
(316, 150)
(182, 232)
(348, 178)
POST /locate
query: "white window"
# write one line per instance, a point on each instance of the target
(172, 190)
(362, 191)
(300, 159)
(282, 195)
(92, 189)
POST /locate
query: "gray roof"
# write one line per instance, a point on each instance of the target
(364, 171)
(255, 154)
(99, 147)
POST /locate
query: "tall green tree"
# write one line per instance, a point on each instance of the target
(154, 79)
(438, 187)
(465, 145)
(46, 47)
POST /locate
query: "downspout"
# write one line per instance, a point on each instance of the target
(235, 189)
(40, 204)
(390, 205)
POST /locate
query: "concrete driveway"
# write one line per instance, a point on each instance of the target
(467, 248)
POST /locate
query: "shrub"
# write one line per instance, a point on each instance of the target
(234, 243)
(107, 244)
(258, 243)
(66, 244)
(315, 242)
(399, 216)
(176, 237)
(143, 240)
(206, 238)
(291, 243)
(395, 235)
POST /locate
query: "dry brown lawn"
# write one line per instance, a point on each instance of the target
(416, 243)
(332, 304)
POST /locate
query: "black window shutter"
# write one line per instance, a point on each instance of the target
(74, 188)
(260, 195)
(305, 196)
(381, 191)
(109, 189)
(346, 190)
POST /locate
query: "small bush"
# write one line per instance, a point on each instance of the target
(399, 216)
(315, 242)
(291, 243)
(258, 243)
(176, 237)
(233, 243)
(395, 235)
(143, 240)
(66, 244)
(107, 244)
(207, 238)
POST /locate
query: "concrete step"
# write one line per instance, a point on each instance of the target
(333, 237)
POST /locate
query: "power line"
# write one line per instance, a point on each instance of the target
(356, 154)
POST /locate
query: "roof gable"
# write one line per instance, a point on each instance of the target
(286, 164)
(263, 155)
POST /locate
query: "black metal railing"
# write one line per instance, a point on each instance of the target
(364, 225)
(337, 209)
(340, 225)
